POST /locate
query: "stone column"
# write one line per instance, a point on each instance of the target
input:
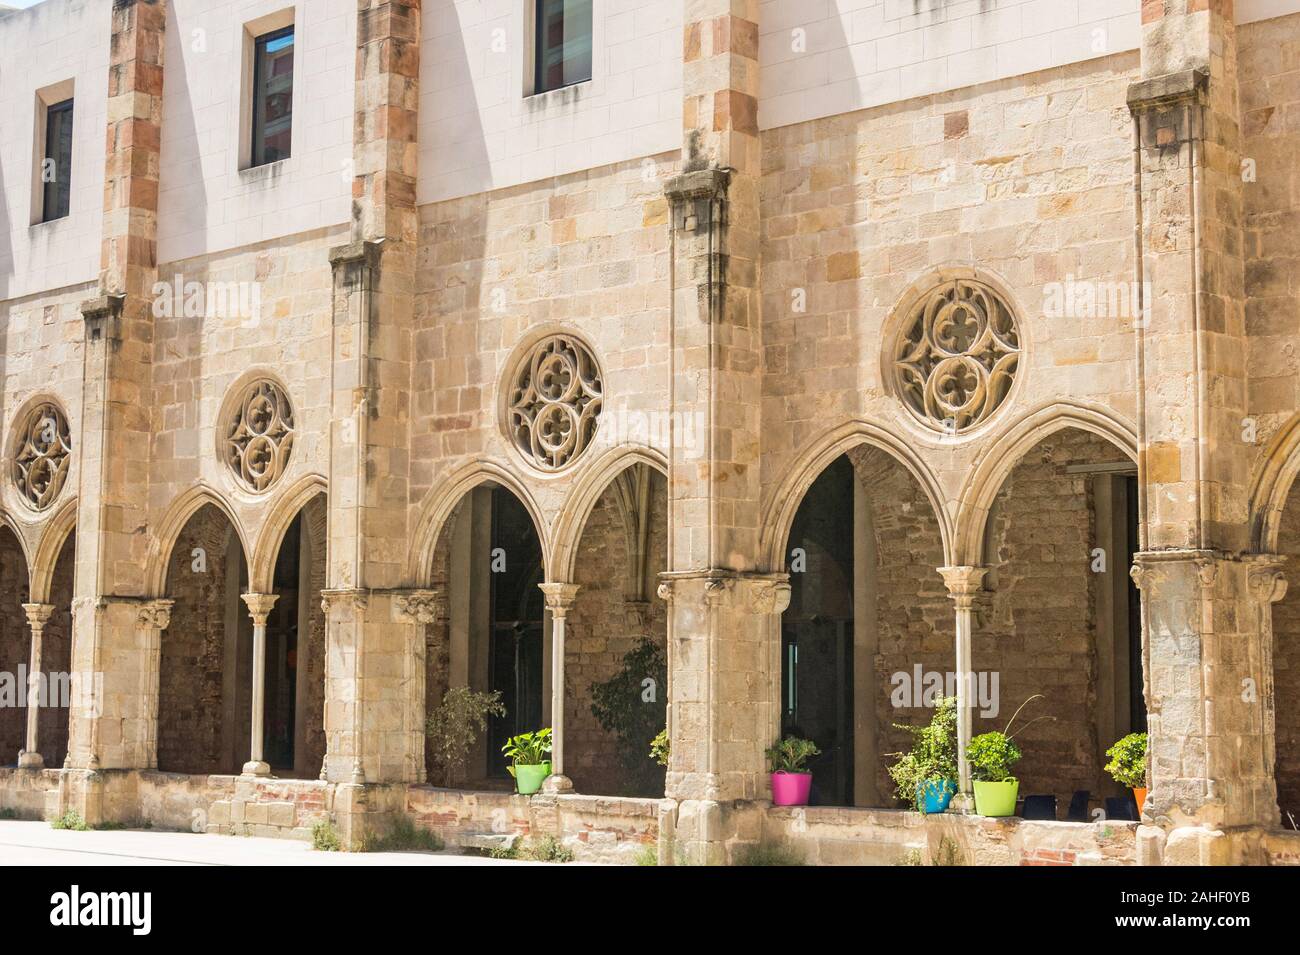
(417, 608)
(964, 584)
(259, 608)
(723, 604)
(113, 446)
(374, 720)
(38, 615)
(155, 617)
(559, 601)
(1207, 644)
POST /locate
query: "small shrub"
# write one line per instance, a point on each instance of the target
(647, 855)
(661, 748)
(790, 755)
(403, 836)
(1128, 761)
(70, 820)
(768, 853)
(8, 814)
(324, 837)
(455, 725)
(546, 849)
(991, 756)
(503, 852)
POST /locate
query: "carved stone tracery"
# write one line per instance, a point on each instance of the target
(259, 435)
(42, 456)
(554, 402)
(956, 354)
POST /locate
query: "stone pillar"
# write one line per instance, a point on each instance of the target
(154, 617)
(723, 606)
(1205, 627)
(38, 615)
(374, 721)
(113, 446)
(1207, 643)
(259, 608)
(418, 609)
(559, 601)
(964, 584)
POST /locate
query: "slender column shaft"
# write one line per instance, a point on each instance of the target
(964, 585)
(259, 608)
(37, 616)
(559, 600)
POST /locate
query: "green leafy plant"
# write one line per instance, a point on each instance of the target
(768, 853)
(661, 748)
(455, 725)
(545, 849)
(948, 854)
(991, 755)
(791, 754)
(1128, 761)
(646, 856)
(324, 837)
(70, 820)
(631, 704)
(528, 749)
(403, 835)
(933, 754)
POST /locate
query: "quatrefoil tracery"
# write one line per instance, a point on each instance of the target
(259, 436)
(43, 456)
(555, 401)
(956, 355)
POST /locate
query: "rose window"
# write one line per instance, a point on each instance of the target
(554, 402)
(259, 435)
(44, 454)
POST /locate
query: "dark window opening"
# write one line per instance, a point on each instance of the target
(515, 627)
(272, 96)
(563, 44)
(817, 634)
(56, 170)
(280, 711)
(1137, 703)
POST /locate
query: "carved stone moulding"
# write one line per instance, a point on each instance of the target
(554, 401)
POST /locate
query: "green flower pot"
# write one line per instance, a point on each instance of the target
(529, 779)
(996, 799)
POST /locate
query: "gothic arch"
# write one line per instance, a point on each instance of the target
(170, 527)
(7, 521)
(442, 500)
(577, 509)
(261, 569)
(1272, 485)
(801, 474)
(999, 457)
(46, 557)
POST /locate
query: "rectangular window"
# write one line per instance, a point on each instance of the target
(562, 51)
(272, 96)
(56, 170)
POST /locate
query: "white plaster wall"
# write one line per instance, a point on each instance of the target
(206, 203)
(52, 42)
(861, 53)
(479, 132)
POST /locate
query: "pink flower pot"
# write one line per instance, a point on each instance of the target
(791, 789)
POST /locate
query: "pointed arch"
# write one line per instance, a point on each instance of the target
(53, 536)
(169, 530)
(814, 459)
(7, 521)
(261, 567)
(985, 479)
(582, 500)
(1272, 485)
(442, 500)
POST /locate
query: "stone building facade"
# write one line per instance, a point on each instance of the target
(349, 357)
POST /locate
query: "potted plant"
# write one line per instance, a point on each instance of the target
(791, 782)
(926, 777)
(1128, 765)
(990, 757)
(529, 765)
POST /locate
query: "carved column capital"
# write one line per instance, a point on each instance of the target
(769, 595)
(416, 606)
(38, 615)
(346, 602)
(965, 584)
(559, 597)
(259, 606)
(1267, 582)
(156, 614)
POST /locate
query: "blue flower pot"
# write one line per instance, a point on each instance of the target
(934, 795)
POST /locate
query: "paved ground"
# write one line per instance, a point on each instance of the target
(35, 843)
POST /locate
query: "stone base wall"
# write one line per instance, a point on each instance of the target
(826, 836)
(29, 793)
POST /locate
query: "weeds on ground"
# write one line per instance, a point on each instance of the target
(768, 853)
(324, 837)
(70, 820)
(403, 836)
